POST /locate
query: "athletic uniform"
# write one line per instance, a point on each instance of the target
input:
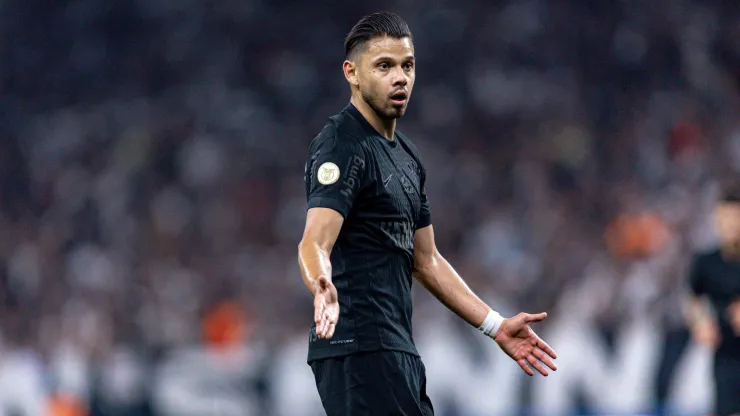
(719, 280)
(370, 366)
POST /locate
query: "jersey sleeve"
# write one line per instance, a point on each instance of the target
(696, 282)
(335, 173)
(425, 215)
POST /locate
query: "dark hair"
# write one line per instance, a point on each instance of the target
(372, 25)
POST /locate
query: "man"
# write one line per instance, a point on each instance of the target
(368, 232)
(715, 276)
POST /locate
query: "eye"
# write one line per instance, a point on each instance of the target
(383, 65)
(408, 66)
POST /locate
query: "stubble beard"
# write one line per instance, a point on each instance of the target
(380, 106)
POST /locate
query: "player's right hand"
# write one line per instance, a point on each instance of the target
(325, 307)
(706, 333)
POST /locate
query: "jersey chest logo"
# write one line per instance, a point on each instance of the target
(411, 178)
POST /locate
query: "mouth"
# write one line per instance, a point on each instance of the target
(399, 98)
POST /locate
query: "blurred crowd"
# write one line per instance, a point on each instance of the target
(152, 198)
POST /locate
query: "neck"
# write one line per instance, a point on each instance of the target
(386, 127)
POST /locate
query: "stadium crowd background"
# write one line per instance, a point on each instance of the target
(151, 196)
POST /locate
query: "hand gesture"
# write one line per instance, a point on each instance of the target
(519, 342)
(325, 307)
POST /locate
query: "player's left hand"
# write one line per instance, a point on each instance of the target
(519, 342)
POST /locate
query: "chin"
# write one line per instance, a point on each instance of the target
(396, 112)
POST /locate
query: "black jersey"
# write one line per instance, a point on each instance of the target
(719, 280)
(377, 185)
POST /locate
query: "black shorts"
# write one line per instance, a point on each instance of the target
(379, 383)
(727, 385)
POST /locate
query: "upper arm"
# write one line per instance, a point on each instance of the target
(335, 173)
(425, 216)
(425, 249)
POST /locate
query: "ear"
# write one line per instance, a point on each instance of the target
(350, 72)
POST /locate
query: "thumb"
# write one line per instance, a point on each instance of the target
(323, 281)
(319, 284)
(528, 318)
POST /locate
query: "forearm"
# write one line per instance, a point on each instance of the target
(314, 262)
(442, 281)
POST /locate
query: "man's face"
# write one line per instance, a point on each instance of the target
(386, 72)
(727, 218)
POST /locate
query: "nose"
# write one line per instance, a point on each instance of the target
(399, 77)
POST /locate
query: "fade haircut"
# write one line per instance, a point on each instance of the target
(371, 26)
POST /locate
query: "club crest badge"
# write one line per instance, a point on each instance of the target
(328, 173)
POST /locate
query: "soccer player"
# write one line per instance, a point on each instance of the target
(369, 231)
(715, 276)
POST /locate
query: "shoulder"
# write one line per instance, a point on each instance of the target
(340, 133)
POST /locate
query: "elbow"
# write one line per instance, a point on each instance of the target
(306, 243)
(308, 248)
(425, 265)
(301, 251)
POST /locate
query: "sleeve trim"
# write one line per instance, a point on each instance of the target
(329, 202)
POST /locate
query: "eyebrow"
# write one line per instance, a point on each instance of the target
(390, 58)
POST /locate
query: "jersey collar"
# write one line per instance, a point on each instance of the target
(369, 129)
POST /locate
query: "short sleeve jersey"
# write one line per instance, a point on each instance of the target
(718, 279)
(377, 185)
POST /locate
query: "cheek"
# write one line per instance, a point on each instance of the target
(410, 79)
(371, 83)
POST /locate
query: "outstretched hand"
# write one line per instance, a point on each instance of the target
(519, 342)
(325, 307)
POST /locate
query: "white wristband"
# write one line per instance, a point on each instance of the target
(492, 323)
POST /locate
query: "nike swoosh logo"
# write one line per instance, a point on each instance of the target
(386, 180)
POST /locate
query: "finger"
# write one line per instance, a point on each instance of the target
(322, 325)
(535, 318)
(321, 322)
(330, 331)
(545, 359)
(318, 309)
(546, 348)
(537, 365)
(523, 364)
(326, 321)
